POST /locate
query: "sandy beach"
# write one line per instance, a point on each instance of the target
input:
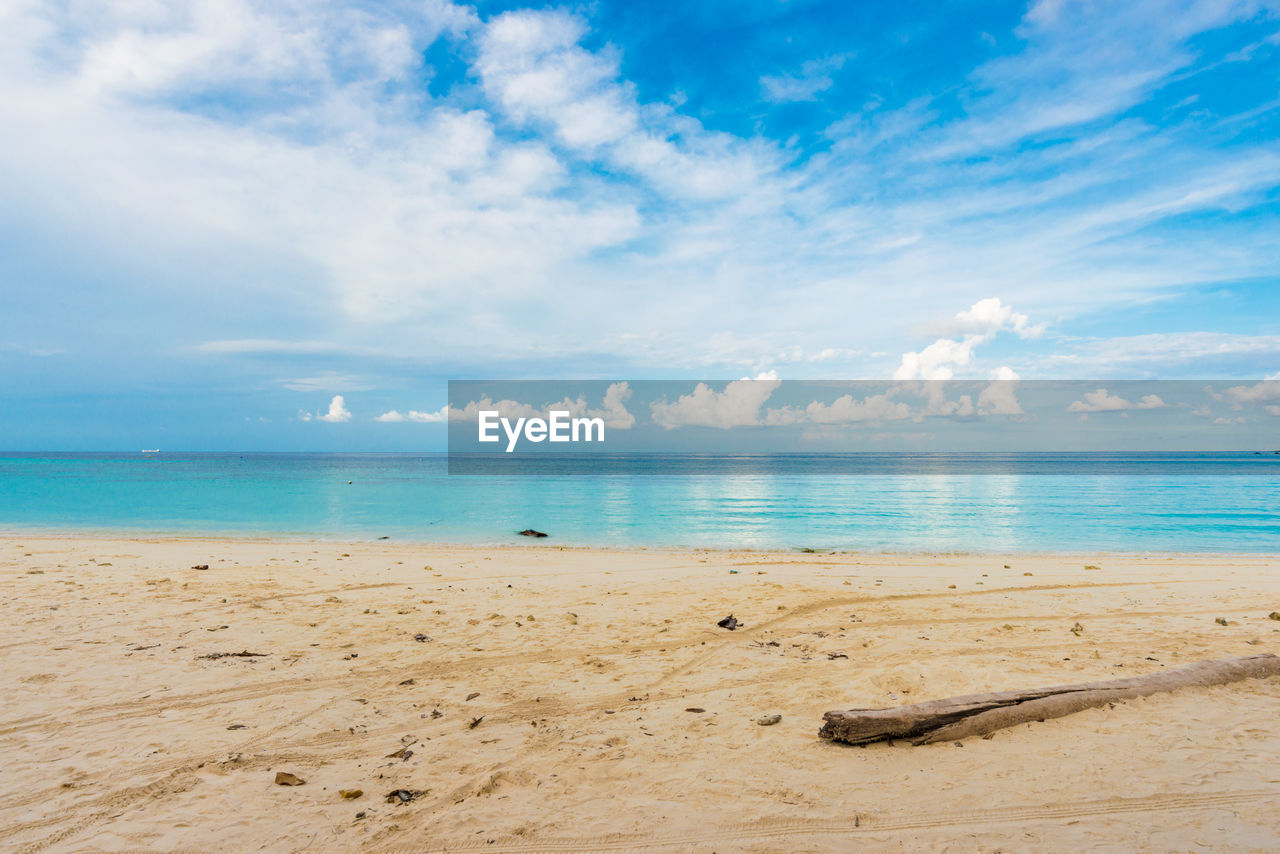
(548, 699)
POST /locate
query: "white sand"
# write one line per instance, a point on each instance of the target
(115, 733)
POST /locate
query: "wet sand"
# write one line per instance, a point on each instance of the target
(125, 727)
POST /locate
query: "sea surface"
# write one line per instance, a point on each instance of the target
(1196, 502)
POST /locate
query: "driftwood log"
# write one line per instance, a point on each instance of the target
(979, 714)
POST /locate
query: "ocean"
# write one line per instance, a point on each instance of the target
(1195, 502)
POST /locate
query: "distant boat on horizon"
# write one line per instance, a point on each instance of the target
(152, 451)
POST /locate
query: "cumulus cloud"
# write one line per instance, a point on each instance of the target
(737, 406)
(989, 316)
(1000, 398)
(613, 410)
(843, 410)
(510, 409)
(1099, 401)
(939, 360)
(1103, 401)
(1267, 391)
(338, 412)
(979, 324)
(997, 398)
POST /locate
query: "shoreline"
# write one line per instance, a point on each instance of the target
(148, 704)
(289, 539)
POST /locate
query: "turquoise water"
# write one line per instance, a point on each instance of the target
(1191, 503)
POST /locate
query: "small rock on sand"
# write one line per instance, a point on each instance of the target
(284, 778)
(769, 720)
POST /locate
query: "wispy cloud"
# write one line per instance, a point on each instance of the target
(327, 381)
(38, 352)
(458, 187)
(273, 346)
(1166, 353)
(813, 78)
(393, 416)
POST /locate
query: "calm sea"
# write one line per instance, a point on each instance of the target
(975, 503)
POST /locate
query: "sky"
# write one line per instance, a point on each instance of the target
(264, 226)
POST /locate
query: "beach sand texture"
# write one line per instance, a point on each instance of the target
(124, 729)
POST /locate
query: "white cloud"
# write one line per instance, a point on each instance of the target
(843, 410)
(813, 78)
(1001, 396)
(531, 63)
(1172, 352)
(989, 316)
(270, 346)
(393, 416)
(338, 412)
(510, 409)
(327, 381)
(613, 410)
(979, 323)
(1099, 401)
(937, 404)
(939, 360)
(1267, 391)
(1103, 401)
(737, 406)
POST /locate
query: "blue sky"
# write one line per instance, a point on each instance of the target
(216, 216)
